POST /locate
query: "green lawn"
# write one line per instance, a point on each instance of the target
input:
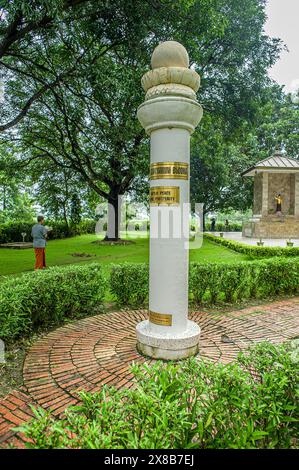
(59, 252)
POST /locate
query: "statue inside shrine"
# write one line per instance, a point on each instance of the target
(278, 200)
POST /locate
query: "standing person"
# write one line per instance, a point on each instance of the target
(226, 225)
(213, 223)
(39, 235)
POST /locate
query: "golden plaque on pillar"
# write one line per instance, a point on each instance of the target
(169, 170)
(162, 319)
(164, 196)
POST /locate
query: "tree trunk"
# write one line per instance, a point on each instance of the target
(65, 218)
(113, 222)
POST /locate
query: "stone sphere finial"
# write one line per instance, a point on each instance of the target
(170, 54)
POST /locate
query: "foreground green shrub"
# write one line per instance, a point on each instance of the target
(214, 282)
(48, 297)
(252, 250)
(192, 404)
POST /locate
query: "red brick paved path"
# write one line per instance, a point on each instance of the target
(99, 350)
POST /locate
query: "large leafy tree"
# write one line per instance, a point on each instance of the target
(55, 191)
(86, 122)
(16, 198)
(90, 128)
(217, 161)
(24, 27)
(35, 43)
(209, 165)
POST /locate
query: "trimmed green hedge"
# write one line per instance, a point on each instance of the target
(129, 283)
(221, 227)
(214, 282)
(191, 404)
(44, 298)
(261, 279)
(11, 231)
(49, 297)
(252, 250)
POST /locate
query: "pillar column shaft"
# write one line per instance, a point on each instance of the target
(169, 115)
(265, 195)
(296, 196)
(169, 235)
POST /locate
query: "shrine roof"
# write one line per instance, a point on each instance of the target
(277, 163)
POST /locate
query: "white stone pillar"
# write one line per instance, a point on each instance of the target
(296, 196)
(265, 195)
(169, 115)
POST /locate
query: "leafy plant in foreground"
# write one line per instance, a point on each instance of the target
(252, 403)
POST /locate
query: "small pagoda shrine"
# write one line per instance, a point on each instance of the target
(276, 198)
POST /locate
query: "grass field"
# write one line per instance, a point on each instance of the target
(60, 252)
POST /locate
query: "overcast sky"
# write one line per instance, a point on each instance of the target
(283, 22)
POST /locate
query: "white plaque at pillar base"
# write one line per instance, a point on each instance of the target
(168, 346)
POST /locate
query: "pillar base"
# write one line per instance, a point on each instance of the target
(168, 346)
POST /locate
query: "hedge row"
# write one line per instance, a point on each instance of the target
(214, 282)
(129, 283)
(221, 227)
(257, 279)
(252, 250)
(11, 231)
(46, 298)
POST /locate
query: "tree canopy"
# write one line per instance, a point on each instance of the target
(71, 73)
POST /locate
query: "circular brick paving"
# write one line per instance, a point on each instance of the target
(89, 353)
(99, 350)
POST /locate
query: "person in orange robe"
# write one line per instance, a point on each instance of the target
(39, 235)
